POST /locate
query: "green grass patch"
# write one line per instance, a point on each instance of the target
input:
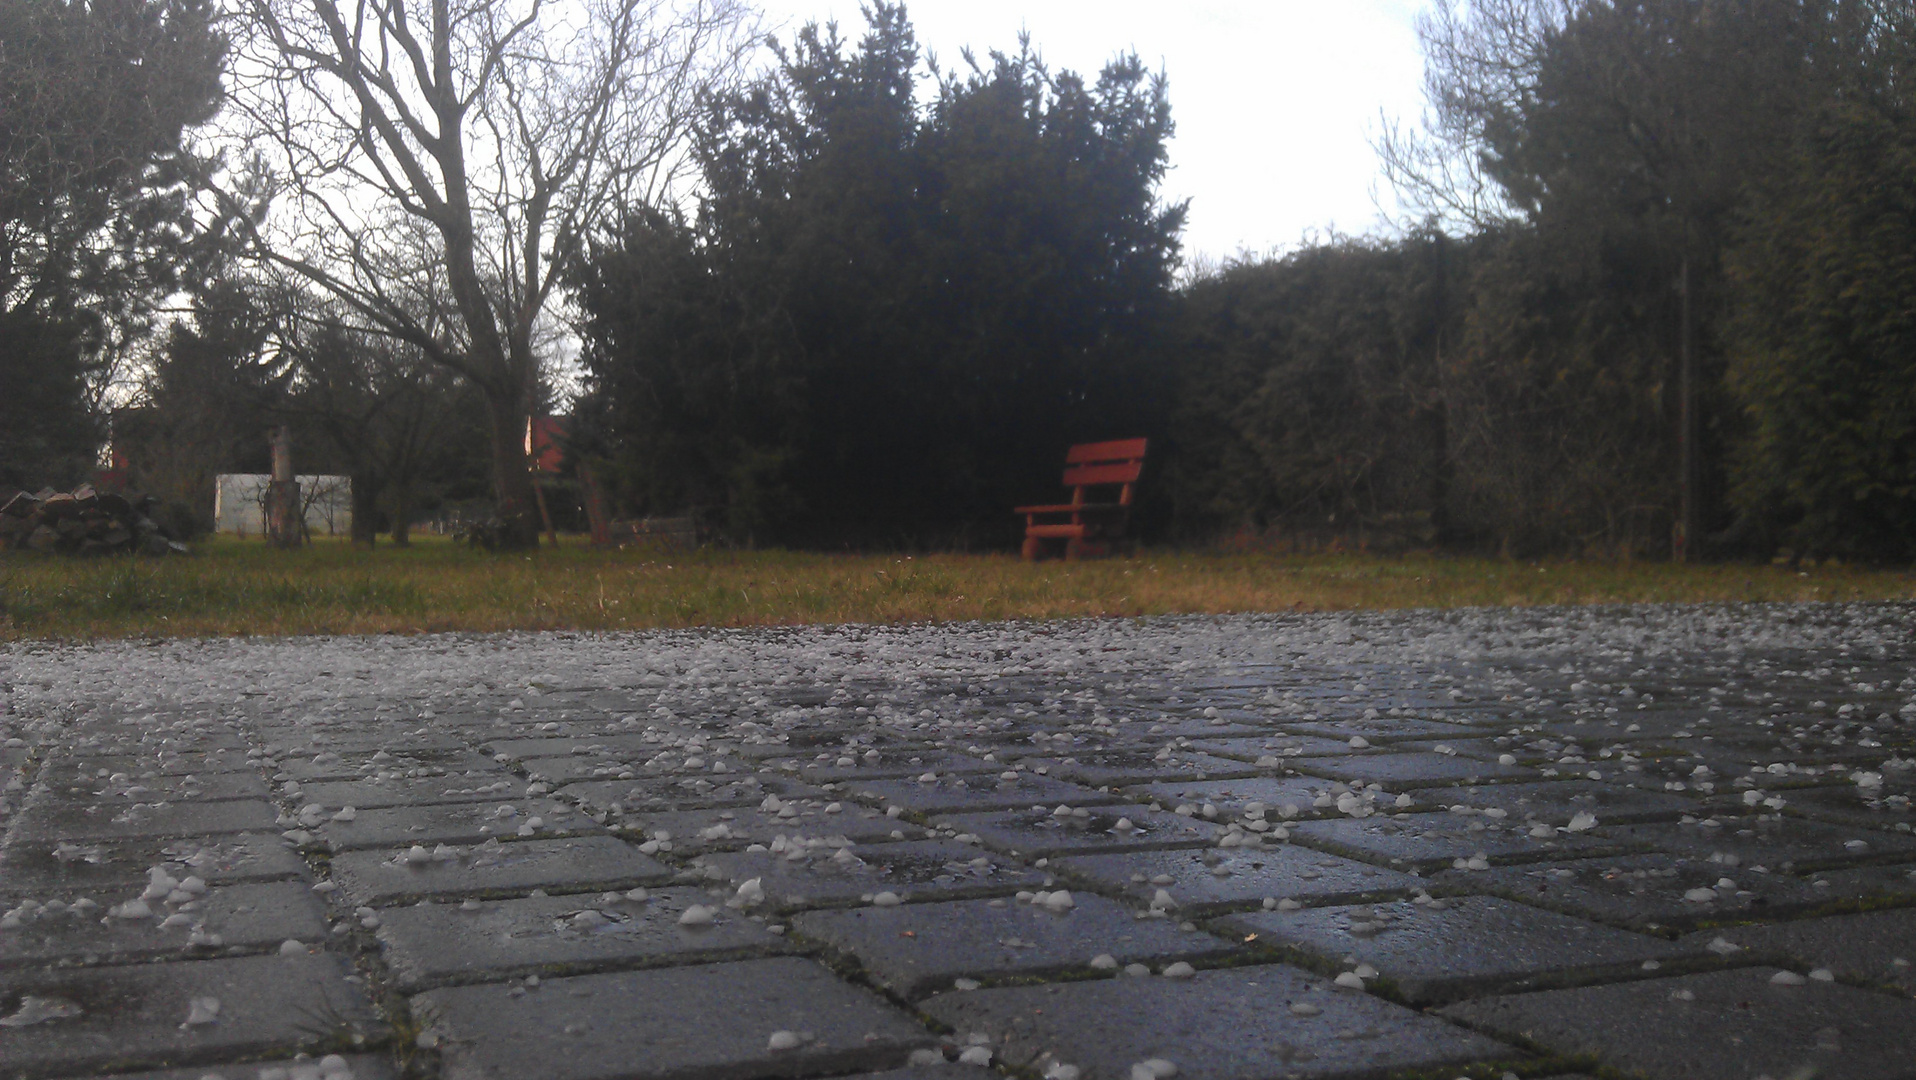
(236, 587)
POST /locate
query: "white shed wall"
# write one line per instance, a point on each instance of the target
(239, 503)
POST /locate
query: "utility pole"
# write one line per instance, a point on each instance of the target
(1689, 532)
(1437, 406)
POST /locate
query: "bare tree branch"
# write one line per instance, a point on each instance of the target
(1480, 63)
(489, 136)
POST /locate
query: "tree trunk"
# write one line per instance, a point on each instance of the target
(402, 515)
(518, 509)
(365, 511)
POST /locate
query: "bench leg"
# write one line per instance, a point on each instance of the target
(1034, 549)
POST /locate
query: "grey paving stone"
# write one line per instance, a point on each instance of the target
(131, 1016)
(362, 736)
(1275, 744)
(1381, 729)
(1464, 945)
(491, 787)
(364, 765)
(1042, 832)
(1410, 770)
(359, 1067)
(437, 944)
(168, 763)
(1867, 946)
(77, 822)
(579, 767)
(930, 1072)
(245, 917)
(1780, 842)
(962, 792)
(1435, 841)
(1155, 730)
(1228, 1024)
(656, 794)
(825, 875)
(153, 735)
(455, 823)
(577, 865)
(1480, 744)
(1732, 1025)
(517, 749)
(915, 949)
(727, 828)
(1851, 805)
(1213, 879)
(1651, 892)
(126, 787)
(704, 1021)
(1100, 768)
(1889, 881)
(1555, 802)
(831, 767)
(572, 770)
(1232, 797)
(32, 867)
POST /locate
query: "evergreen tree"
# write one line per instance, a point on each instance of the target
(889, 317)
(95, 220)
(1825, 339)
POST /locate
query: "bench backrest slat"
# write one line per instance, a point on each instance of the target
(1088, 475)
(1115, 450)
(1116, 463)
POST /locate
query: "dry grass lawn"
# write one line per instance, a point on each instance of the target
(242, 587)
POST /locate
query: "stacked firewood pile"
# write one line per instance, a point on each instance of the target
(82, 522)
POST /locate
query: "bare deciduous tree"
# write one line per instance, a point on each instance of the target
(1480, 61)
(437, 166)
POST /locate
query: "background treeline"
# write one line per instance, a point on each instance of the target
(889, 312)
(893, 293)
(103, 240)
(255, 357)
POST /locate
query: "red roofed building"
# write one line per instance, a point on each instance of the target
(544, 436)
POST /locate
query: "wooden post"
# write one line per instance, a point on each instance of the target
(1689, 458)
(283, 511)
(539, 493)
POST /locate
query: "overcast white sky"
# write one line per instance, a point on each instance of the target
(1276, 101)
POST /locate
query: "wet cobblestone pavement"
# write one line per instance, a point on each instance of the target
(1673, 842)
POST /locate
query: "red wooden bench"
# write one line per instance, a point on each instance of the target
(1087, 527)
